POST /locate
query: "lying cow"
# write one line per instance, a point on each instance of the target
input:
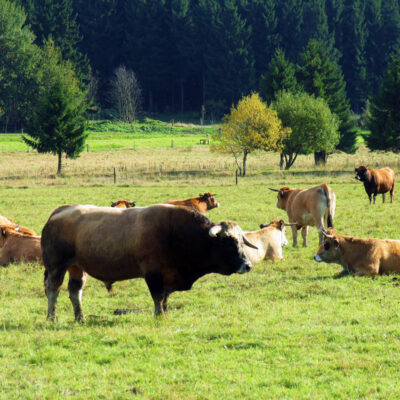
(203, 203)
(4, 221)
(314, 207)
(376, 181)
(123, 204)
(270, 240)
(360, 256)
(18, 246)
(170, 247)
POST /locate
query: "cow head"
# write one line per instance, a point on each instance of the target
(230, 240)
(123, 204)
(283, 194)
(330, 251)
(209, 199)
(279, 225)
(361, 173)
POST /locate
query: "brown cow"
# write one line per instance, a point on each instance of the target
(376, 181)
(203, 203)
(4, 221)
(270, 240)
(170, 247)
(17, 246)
(123, 204)
(314, 207)
(360, 256)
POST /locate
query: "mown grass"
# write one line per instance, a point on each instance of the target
(285, 330)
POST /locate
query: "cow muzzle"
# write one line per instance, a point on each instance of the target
(318, 258)
(245, 267)
(358, 178)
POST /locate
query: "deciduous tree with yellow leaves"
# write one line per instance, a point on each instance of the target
(249, 127)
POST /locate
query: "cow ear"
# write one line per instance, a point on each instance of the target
(3, 232)
(213, 232)
(281, 224)
(335, 243)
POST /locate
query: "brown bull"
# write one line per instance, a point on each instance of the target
(202, 203)
(360, 256)
(376, 181)
(269, 239)
(170, 247)
(17, 246)
(123, 204)
(314, 207)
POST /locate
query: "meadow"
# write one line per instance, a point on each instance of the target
(286, 330)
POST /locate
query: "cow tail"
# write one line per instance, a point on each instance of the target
(331, 206)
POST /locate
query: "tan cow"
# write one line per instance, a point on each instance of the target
(270, 240)
(4, 221)
(123, 204)
(314, 207)
(202, 203)
(18, 246)
(360, 256)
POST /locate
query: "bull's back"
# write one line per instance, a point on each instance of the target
(390, 256)
(385, 179)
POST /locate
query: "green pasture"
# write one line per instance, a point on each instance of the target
(286, 330)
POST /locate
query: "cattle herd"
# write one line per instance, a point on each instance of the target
(173, 244)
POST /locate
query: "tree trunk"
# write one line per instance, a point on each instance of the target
(289, 160)
(182, 97)
(59, 163)
(204, 88)
(281, 161)
(320, 158)
(151, 100)
(244, 162)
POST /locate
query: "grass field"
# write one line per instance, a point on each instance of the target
(286, 330)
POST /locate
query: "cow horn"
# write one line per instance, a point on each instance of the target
(290, 223)
(274, 190)
(247, 243)
(17, 228)
(326, 234)
(213, 232)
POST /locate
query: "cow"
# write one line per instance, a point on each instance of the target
(170, 247)
(123, 204)
(202, 203)
(270, 239)
(376, 181)
(4, 221)
(314, 207)
(360, 256)
(18, 246)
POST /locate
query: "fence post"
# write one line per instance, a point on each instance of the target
(115, 176)
(236, 176)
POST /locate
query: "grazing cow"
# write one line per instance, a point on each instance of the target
(4, 221)
(360, 256)
(376, 181)
(18, 246)
(203, 203)
(314, 207)
(170, 247)
(270, 240)
(123, 204)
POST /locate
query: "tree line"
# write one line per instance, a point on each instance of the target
(189, 53)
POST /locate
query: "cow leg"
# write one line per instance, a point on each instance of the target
(77, 280)
(391, 195)
(383, 197)
(164, 302)
(294, 232)
(155, 283)
(52, 283)
(370, 197)
(375, 194)
(304, 233)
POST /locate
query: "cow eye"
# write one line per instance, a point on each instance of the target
(326, 245)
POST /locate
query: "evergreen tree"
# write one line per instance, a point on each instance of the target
(281, 75)
(55, 19)
(351, 42)
(384, 119)
(321, 76)
(19, 59)
(58, 122)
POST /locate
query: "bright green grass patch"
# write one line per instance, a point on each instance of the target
(286, 330)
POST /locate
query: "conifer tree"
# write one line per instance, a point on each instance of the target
(384, 119)
(58, 122)
(321, 76)
(281, 75)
